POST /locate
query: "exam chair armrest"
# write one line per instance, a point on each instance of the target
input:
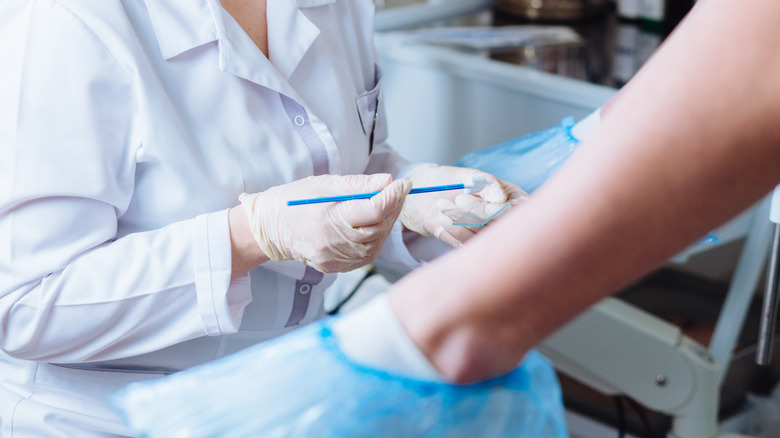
(617, 348)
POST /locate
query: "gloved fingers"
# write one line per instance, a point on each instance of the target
(393, 195)
(317, 234)
(515, 194)
(468, 208)
(330, 256)
(424, 215)
(370, 233)
(372, 219)
(330, 185)
(499, 191)
(450, 212)
(491, 209)
(345, 259)
(333, 265)
(446, 237)
(376, 210)
(457, 233)
(464, 202)
(453, 235)
(475, 206)
(350, 184)
(494, 192)
(467, 204)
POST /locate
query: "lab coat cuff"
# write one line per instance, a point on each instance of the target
(220, 302)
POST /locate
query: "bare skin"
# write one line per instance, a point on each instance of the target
(690, 142)
(246, 252)
(251, 16)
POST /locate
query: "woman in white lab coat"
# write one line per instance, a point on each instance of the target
(128, 130)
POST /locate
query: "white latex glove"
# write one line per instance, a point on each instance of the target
(432, 214)
(333, 236)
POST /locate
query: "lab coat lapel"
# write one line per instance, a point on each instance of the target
(290, 32)
(181, 26)
(239, 55)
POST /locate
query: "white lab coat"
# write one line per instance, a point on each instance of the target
(127, 129)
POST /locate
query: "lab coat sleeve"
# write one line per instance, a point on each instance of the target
(70, 290)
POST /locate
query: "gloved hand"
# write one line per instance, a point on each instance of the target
(433, 213)
(330, 237)
(302, 385)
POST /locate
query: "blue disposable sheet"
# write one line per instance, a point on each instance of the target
(301, 385)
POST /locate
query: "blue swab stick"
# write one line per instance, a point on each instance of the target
(475, 186)
(371, 194)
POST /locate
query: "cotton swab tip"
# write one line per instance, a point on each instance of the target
(476, 184)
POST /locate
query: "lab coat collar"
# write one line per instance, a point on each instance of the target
(181, 25)
(313, 3)
(290, 33)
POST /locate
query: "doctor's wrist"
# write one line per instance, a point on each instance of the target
(246, 253)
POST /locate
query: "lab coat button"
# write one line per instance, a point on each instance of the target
(304, 289)
(299, 121)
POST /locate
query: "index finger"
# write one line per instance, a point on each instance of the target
(388, 202)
